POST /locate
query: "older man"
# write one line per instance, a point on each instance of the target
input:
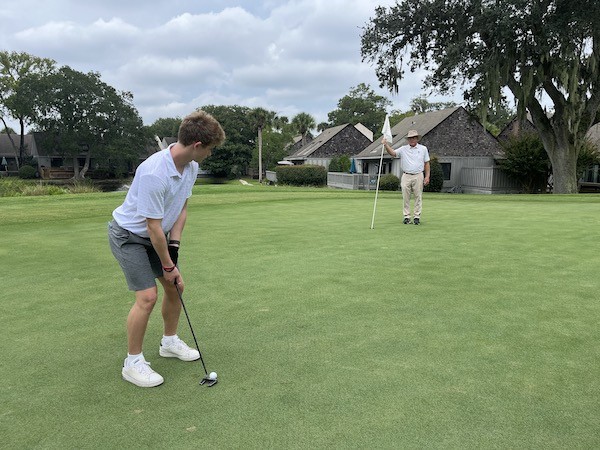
(414, 160)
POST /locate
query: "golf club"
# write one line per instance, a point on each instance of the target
(209, 380)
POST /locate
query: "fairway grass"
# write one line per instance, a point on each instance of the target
(477, 329)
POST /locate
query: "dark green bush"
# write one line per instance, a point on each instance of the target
(345, 163)
(389, 182)
(526, 161)
(27, 172)
(436, 176)
(303, 175)
(339, 164)
(102, 173)
(334, 165)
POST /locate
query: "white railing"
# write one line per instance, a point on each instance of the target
(351, 180)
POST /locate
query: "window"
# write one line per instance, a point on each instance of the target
(446, 170)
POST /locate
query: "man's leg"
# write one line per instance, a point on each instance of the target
(138, 317)
(136, 369)
(405, 185)
(171, 308)
(171, 346)
(418, 190)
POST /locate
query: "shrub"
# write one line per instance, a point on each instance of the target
(339, 164)
(83, 187)
(389, 182)
(41, 189)
(436, 176)
(27, 172)
(334, 165)
(102, 173)
(526, 161)
(304, 175)
(344, 163)
(11, 187)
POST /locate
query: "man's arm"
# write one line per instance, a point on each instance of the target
(159, 242)
(388, 148)
(426, 179)
(177, 230)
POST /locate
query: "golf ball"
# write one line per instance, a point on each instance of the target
(213, 375)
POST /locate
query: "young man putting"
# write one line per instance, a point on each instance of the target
(145, 234)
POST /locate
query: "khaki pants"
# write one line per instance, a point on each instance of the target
(412, 184)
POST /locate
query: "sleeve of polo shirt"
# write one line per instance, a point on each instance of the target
(151, 197)
(426, 159)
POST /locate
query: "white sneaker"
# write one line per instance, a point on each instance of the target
(178, 349)
(140, 374)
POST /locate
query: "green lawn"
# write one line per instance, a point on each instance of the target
(478, 329)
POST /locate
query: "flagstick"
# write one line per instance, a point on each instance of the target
(377, 190)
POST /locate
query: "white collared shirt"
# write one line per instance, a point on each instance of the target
(412, 159)
(158, 191)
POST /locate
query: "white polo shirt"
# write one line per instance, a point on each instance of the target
(158, 191)
(412, 159)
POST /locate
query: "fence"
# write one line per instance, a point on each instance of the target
(487, 180)
(351, 180)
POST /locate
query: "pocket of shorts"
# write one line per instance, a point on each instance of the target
(117, 231)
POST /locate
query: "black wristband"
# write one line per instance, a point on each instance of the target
(169, 269)
(174, 242)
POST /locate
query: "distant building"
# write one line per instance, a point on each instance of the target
(337, 141)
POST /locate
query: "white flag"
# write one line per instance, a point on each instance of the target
(386, 130)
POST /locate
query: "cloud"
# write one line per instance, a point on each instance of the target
(289, 56)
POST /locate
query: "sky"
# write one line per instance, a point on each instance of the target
(287, 56)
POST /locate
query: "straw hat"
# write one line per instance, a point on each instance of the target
(412, 133)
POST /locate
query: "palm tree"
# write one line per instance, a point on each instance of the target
(303, 123)
(261, 118)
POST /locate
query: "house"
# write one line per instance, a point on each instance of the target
(342, 140)
(590, 180)
(460, 143)
(9, 150)
(517, 127)
(52, 163)
(297, 143)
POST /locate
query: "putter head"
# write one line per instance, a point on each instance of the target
(208, 381)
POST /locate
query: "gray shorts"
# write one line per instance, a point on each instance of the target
(136, 256)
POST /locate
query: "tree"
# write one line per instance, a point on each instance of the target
(498, 117)
(549, 47)
(322, 127)
(79, 113)
(274, 147)
(421, 105)
(232, 158)
(302, 124)
(14, 68)
(436, 176)
(261, 118)
(526, 161)
(361, 105)
(164, 127)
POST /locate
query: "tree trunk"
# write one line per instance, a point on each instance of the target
(558, 144)
(21, 144)
(564, 170)
(75, 168)
(260, 155)
(86, 165)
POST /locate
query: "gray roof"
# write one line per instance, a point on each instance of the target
(593, 134)
(6, 148)
(316, 143)
(423, 123)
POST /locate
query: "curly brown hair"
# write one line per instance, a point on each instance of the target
(200, 126)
